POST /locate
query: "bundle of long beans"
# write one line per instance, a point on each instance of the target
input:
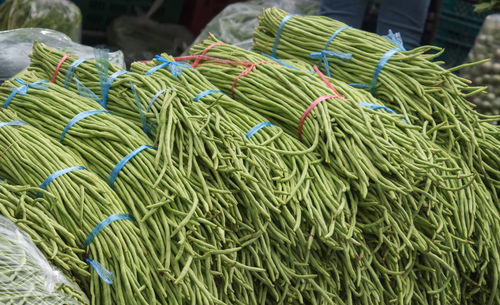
(80, 202)
(186, 242)
(183, 127)
(271, 246)
(18, 206)
(408, 82)
(285, 100)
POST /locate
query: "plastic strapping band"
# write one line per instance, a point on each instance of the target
(12, 123)
(205, 93)
(60, 172)
(106, 275)
(322, 55)
(103, 224)
(375, 107)
(63, 59)
(280, 61)
(111, 79)
(22, 90)
(395, 39)
(257, 127)
(71, 71)
(385, 58)
(116, 170)
(278, 34)
(197, 60)
(155, 97)
(77, 118)
(308, 110)
(246, 71)
(175, 67)
(86, 92)
(327, 82)
(145, 126)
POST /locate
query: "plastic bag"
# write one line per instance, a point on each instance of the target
(487, 45)
(142, 38)
(25, 275)
(60, 15)
(17, 44)
(237, 22)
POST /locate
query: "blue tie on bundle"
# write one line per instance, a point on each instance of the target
(395, 39)
(175, 67)
(24, 89)
(375, 107)
(106, 275)
(322, 55)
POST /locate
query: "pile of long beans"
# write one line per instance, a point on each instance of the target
(186, 237)
(81, 201)
(27, 277)
(461, 193)
(319, 206)
(409, 82)
(18, 206)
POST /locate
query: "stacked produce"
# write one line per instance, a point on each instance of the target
(26, 277)
(406, 81)
(79, 202)
(247, 178)
(291, 186)
(284, 103)
(18, 206)
(487, 45)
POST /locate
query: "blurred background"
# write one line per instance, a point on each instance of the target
(139, 29)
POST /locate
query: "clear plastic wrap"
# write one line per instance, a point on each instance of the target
(487, 45)
(16, 45)
(60, 15)
(26, 277)
(236, 23)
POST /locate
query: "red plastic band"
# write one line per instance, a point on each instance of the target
(323, 77)
(197, 61)
(246, 71)
(59, 66)
(308, 110)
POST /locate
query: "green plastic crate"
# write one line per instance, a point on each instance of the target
(458, 26)
(98, 14)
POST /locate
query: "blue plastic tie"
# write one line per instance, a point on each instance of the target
(375, 107)
(24, 89)
(257, 127)
(322, 55)
(145, 126)
(156, 96)
(205, 93)
(103, 224)
(60, 172)
(71, 71)
(385, 58)
(278, 34)
(396, 39)
(105, 91)
(12, 123)
(175, 67)
(279, 61)
(116, 170)
(77, 118)
(106, 275)
(86, 92)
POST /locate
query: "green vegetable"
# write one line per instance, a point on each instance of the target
(409, 83)
(80, 201)
(26, 277)
(282, 94)
(60, 15)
